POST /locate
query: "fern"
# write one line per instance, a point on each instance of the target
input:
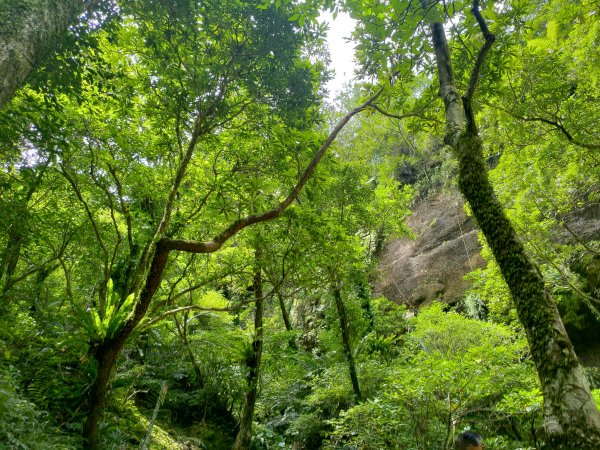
(98, 328)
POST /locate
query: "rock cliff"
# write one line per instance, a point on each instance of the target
(431, 266)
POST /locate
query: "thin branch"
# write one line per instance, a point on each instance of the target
(577, 238)
(489, 41)
(165, 245)
(417, 113)
(89, 214)
(184, 272)
(586, 297)
(216, 243)
(10, 282)
(125, 210)
(560, 128)
(186, 308)
(111, 207)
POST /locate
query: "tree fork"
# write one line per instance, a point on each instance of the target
(108, 351)
(571, 419)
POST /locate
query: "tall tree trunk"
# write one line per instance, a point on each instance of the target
(571, 419)
(107, 351)
(242, 440)
(183, 334)
(286, 320)
(344, 325)
(106, 356)
(30, 31)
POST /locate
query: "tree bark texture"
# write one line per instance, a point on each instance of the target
(30, 31)
(571, 419)
(106, 356)
(344, 325)
(244, 436)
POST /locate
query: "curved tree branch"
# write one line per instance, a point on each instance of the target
(165, 245)
(417, 113)
(560, 127)
(216, 243)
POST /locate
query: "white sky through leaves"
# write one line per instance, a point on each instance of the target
(340, 49)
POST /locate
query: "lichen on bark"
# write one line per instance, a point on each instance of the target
(571, 419)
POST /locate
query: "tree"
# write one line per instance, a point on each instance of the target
(239, 60)
(253, 362)
(571, 417)
(127, 147)
(456, 371)
(548, 171)
(30, 32)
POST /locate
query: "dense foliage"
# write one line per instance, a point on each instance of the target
(186, 253)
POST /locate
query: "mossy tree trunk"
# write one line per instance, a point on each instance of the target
(30, 31)
(107, 352)
(571, 419)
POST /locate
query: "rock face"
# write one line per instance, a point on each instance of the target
(584, 222)
(432, 265)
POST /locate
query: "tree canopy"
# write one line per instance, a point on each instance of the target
(191, 231)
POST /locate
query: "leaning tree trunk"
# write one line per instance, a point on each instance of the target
(107, 352)
(30, 31)
(242, 440)
(344, 325)
(284, 312)
(286, 320)
(106, 356)
(571, 419)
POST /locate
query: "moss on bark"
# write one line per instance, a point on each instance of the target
(571, 417)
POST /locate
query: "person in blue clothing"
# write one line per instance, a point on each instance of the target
(469, 441)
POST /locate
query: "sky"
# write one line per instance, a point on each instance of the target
(342, 52)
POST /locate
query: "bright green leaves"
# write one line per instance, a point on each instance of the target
(100, 325)
(456, 372)
(542, 119)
